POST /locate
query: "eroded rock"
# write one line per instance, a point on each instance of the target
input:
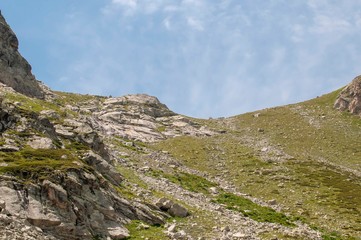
(350, 97)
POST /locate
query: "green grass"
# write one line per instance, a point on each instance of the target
(131, 176)
(32, 105)
(37, 163)
(75, 98)
(187, 181)
(312, 131)
(253, 210)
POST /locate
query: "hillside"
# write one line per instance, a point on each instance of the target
(91, 167)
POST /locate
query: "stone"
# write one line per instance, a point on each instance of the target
(172, 228)
(118, 233)
(272, 202)
(225, 229)
(213, 190)
(164, 204)
(177, 210)
(265, 149)
(104, 167)
(239, 235)
(2, 205)
(41, 143)
(180, 235)
(50, 114)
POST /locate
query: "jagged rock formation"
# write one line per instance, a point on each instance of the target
(15, 71)
(350, 97)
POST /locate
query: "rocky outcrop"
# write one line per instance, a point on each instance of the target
(71, 205)
(15, 71)
(350, 97)
(143, 118)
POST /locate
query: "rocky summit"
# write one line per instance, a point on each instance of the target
(91, 167)
(15, 71)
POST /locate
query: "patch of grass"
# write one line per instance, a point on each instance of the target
(131, 176)
(124, 191)
(139, 230)
(75, 98)
(187, 181)
(132, 146)
(253, 210)
(37, 163)
(161, 129)
(31, 104)
(333, 236)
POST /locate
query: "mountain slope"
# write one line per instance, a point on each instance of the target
(90, 167)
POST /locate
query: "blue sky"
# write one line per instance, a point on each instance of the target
(202, 58)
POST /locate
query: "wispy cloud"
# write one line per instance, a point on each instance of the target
(211, 58)
(195, 24)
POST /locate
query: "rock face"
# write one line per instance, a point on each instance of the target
(143, 118)
(15, 71)
(350, 97)
(71, 205)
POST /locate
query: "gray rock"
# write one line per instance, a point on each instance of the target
(272, 202)
(104, 167)
(15, 71)
(177, 210)
(213, 190)
(41, 143)
(172, 228)
(350, 97)
(239, 235)
(164, 204)
(118, 233)
(2, 205)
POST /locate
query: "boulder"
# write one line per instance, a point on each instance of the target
(177, 210)
(118, 233)
(174, 209)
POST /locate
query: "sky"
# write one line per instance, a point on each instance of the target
(202, 58)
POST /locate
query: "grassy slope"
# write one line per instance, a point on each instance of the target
(312, 184)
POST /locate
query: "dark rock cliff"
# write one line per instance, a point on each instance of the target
(15, 71)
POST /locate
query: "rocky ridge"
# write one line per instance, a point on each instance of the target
(15, 71)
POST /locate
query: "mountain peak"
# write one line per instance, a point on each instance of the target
(15, 71)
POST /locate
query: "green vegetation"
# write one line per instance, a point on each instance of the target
(31, 104)
(253, 210)
(187, 181)
(321, 143)
(161, 129)
(139, 230)
(37, 163)
(75, 98)
(131, 176)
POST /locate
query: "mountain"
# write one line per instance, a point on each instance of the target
(91, 167)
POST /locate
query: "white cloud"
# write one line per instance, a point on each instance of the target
(167, 23)
(127, 3)
(212, 58)
(195, 24)
(326, 24)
